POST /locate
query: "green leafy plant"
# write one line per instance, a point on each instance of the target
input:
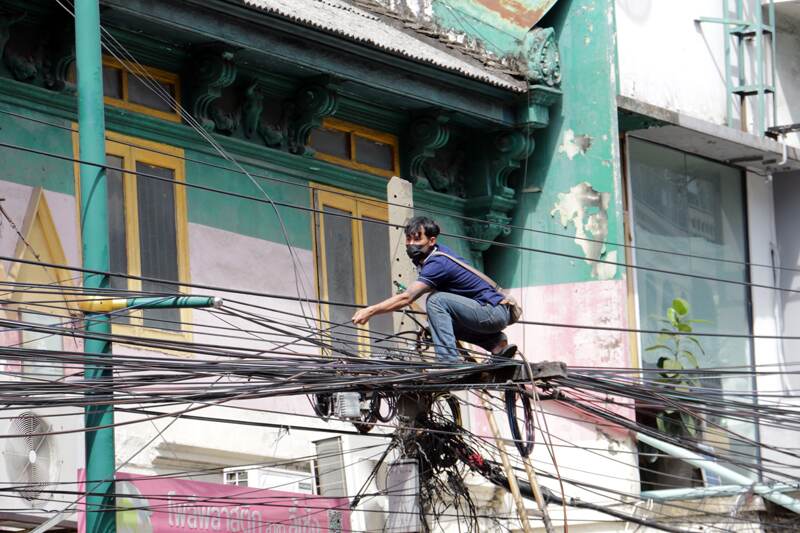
(678, 351)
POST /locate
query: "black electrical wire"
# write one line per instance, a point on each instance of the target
(381, 203)
(353, 217)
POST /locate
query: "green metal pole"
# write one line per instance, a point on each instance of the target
(726, 32)
(105, 305)
(773, 36)
(100, 467)
(761, 81)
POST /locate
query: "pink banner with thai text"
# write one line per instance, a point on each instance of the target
(160, 505)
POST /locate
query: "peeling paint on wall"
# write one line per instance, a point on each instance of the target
(573, 145)
(522, 14)
(587, 210)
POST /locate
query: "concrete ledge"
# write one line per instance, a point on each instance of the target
(728, 145)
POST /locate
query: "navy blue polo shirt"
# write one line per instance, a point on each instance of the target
(442, 274)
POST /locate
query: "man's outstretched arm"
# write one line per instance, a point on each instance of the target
(398, 301)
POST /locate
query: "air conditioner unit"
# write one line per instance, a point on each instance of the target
(39, 464)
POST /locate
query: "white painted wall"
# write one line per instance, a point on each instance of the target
(16, 202)
(787, 52)
(668, 59)
(768, 316)
(787, 198)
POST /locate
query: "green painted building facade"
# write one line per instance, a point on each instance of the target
(501, 114)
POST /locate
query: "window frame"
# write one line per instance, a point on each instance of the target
(360, 206)
(239, 474)
(39, 216)
(133, 150)
(158, 74)
(356, 130)
(634, 304)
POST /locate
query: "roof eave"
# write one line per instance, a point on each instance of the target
(229, 21)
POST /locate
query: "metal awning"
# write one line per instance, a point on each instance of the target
(727, 145)
(350, 22)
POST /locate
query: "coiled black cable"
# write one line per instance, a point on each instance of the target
(524, 446)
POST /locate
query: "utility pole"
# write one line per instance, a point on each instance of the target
(406, 508)
(100, 515)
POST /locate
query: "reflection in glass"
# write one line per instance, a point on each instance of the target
(36, 340)
(158, 242)
(112, 82)
(379, 280)
(145, 95)
(331, 142)
(338, 233)
(687, 204)
(117, 238)
(373, 153)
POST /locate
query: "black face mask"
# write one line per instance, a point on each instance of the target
(416, 252)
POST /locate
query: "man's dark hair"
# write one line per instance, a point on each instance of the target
(429, 227)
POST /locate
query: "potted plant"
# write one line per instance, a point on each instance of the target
(677, 350)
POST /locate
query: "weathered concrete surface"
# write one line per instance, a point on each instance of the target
(580, 145)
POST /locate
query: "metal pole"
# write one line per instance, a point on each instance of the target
(760, 73)
(104, 305)
(773, 58)
(100, 515)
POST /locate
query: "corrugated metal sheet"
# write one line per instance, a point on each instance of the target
(341, 18)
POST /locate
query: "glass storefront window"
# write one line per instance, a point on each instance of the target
(687, 204)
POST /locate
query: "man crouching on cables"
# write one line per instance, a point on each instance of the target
(465, 304)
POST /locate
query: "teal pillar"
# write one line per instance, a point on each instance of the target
(100, 515)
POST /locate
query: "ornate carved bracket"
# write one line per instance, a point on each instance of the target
(426, 134)
(6, 21)
(494, 217)
(59, 59)
(312, 103)
(252, 118)
(508, 151)
(23, 64)
(252, 107)
(490, 197)
(214, 69)
(544, 60)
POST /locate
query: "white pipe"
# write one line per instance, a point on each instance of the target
(693, 493)
(727, 474)
(54, 521)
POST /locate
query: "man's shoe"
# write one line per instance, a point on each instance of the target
(507, 352)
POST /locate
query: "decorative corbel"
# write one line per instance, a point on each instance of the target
(493, 223)
(444, 172)
(252, 108)
(24, 67)
(6, 21)
(59, 56)
(213, 70)
(509, 149)
(313, 102)
(57, 69)
(426, 134)
(489, 196)
(543, 58)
